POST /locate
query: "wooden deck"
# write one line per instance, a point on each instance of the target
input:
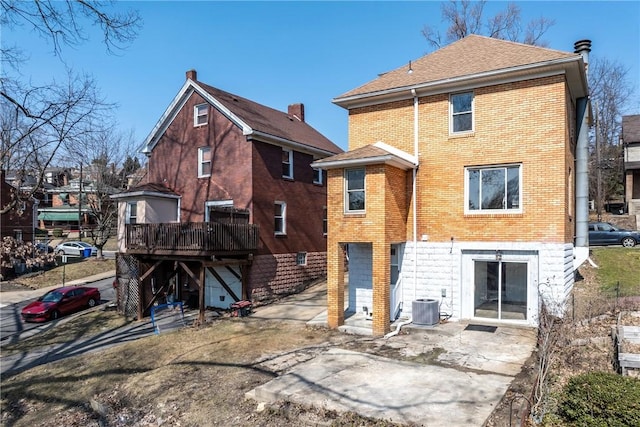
(192, 239)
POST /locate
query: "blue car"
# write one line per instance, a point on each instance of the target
(604, 233)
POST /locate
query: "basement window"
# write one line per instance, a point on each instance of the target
(301, 258)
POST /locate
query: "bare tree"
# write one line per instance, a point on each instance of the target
(105, 151)
(37, 120)
(466, 17)
(610, 94)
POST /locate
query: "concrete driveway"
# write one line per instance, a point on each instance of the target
(453, 374)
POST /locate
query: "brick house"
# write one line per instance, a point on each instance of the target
(631, 147)
(20, 221)
(464, 186)
(230, 208)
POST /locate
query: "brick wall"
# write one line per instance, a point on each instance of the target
(274, 276)
(529, 123)
(522, 122)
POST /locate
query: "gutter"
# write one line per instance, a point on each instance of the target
(346, 102)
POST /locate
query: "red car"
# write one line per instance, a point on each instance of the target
(60, 301)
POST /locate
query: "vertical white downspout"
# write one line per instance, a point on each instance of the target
(413, 194)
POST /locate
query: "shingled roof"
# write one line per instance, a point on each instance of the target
(256, 120)
(472, 55)
(631, 128)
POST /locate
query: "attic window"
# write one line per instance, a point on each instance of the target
(200, 114)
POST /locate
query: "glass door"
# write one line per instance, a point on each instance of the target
(500, 290)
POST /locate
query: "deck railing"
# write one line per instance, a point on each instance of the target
(192, 237)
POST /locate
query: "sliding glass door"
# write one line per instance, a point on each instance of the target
(500, 289)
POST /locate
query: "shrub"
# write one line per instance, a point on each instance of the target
(57, 232)
(601, 399)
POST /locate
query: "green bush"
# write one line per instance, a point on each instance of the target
(57, 232)
(41, 232)
(601, 399)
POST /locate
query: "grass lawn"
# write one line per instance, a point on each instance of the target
(618, 266)
(70, 271)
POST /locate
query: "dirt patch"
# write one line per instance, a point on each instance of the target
(11, 286)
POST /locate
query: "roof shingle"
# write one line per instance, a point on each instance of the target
(469, 56)
(270, 121)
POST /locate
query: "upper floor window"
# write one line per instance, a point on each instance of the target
(354, 190)
(280, 218)
(287, 163)
(204, 162)
(317, 176)
(461, 106)
(132, 213)
(495, 188)
(200, 114)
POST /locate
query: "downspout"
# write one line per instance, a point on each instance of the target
(582, 166)
(413, 194)
(415, 211)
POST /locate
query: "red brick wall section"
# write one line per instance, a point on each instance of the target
(273, 277)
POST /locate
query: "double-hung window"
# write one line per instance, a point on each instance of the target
(287, 163)
(280, 218)
(132, 213)
(461, 107)
(204, 162)
(354, 190)
(200, 114)
(493, 189)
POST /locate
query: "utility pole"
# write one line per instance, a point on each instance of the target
(598, 168)
(80, 205)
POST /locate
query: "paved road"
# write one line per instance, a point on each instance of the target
(12, 328)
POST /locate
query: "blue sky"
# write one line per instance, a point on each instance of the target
(278, 53)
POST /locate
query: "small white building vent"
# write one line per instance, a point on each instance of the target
(425, 312)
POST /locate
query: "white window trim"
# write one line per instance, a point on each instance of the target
(304, 257)
(284, 219)
(197, 114)
(473, 113)
(127, 216)
(201, 162)
(320, 181)
(290, 152)
(218, 203)
(346, 193)
(468, 211)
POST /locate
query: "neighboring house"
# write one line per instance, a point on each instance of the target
(20, 221)
(65, 212)
(631, 146)
(231, 208)
(465, 184)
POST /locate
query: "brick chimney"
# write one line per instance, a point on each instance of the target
(192, 74)
(297, 111)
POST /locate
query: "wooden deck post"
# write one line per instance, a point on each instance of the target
(201, 294)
